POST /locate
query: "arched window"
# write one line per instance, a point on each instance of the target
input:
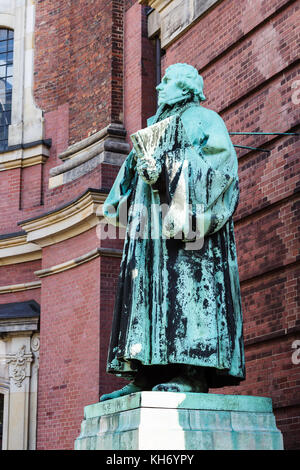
(6, 83)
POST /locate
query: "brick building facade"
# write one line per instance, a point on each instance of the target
(84, 76)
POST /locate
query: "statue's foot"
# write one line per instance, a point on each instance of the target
(182, 385)
(130, 388)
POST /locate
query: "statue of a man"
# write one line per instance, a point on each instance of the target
(177, 323)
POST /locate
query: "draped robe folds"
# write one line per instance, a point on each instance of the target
(178, 297)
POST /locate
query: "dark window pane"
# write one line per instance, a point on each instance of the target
(4, 144)
(9, 84)
(8, 98)
(3, 132)
(6, 83)
(3, 34)
(2, 99)
(10, 45)
(9, 70)
(3, 46)
(3, 59)
(7, 119)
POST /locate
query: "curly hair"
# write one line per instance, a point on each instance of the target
(188, 77)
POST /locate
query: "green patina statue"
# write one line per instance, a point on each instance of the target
(177, 323)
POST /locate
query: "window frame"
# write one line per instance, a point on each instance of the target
(4, 76)
(27, 121)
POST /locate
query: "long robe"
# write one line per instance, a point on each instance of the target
(178, 301)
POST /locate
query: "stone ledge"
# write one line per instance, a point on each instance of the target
(106, 146)
(158, 5)
(193, 401)
(180, 421)
(66, 222)
(25, 155)
(109, 252)
(174, 17)
(19, 316)
(111, 135)
(16, 249)
(20, 287)
(68, 264)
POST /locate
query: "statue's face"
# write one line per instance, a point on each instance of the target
(169, 92)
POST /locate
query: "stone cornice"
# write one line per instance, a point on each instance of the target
(66, 222)
(16, 249)
(60, 224)
(68, 264)
(111, 134)
(20, 287)
(17, 325)
(24, 155)
(172, 18)
(73, 263)
(105, 146)
(158, 5)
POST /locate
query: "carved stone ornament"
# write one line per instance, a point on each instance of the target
(35, 343)
(18, 363)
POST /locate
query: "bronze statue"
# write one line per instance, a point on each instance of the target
(177, 323)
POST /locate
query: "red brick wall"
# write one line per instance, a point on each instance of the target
(75, 329)
(129, 3)
(81, 63)
(249, 67)
(139, 70)
(69, 355)
(76, 308)
(9, 200)
(22, 296)
(109, 272)
(19, 274)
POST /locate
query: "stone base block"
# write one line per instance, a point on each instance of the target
(180, 421)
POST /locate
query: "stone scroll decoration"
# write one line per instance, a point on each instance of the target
(19, 365)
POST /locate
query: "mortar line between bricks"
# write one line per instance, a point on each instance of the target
(244, 37)
(244, 155)
(258, 87)
(271, 271)
(271, 336)
(296, 404)
(267, 208)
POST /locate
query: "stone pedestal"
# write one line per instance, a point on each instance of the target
(180, 421)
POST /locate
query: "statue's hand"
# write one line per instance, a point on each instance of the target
(148, 169)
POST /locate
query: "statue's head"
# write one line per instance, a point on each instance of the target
(180, 81)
